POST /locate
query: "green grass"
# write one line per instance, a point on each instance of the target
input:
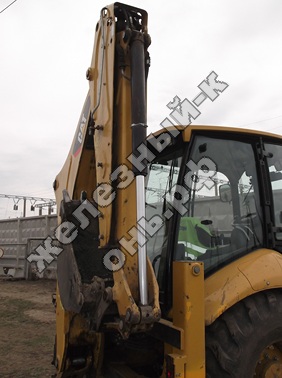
(26, 344)
(13, 310)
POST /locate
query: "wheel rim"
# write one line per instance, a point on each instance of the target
(270, 363)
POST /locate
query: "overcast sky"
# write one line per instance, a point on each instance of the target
(46, 47)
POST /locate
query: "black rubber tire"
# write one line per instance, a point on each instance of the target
(235, 341)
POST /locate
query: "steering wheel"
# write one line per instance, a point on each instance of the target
(248, 216)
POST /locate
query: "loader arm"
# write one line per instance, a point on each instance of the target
(101, 284)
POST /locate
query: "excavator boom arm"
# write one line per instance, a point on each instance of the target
(101, 194)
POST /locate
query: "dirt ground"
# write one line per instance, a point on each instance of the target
(27, 328)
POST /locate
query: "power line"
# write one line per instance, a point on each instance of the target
(44, 193)
(27, 198)
(8, 6)
(263, 120)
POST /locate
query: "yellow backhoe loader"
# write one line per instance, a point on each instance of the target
(171, 263)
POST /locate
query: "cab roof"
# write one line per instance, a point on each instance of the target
(188, 130)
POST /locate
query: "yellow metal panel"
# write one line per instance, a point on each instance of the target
(66, 179)
(263, 272)
(257, 271)
(102, 95)
(188, 314)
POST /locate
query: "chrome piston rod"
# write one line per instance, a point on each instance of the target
(141, 239)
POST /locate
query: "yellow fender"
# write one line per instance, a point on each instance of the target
(257, 271)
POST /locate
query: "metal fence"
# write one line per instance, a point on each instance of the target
(18, 238)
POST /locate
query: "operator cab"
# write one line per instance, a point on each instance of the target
(215, 198)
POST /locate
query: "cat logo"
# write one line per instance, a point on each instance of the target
(81, 128)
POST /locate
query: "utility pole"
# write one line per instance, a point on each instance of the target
(24, 207)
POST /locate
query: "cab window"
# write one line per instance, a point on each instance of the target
(224, 218)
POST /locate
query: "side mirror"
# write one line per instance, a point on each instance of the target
(225, 193)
